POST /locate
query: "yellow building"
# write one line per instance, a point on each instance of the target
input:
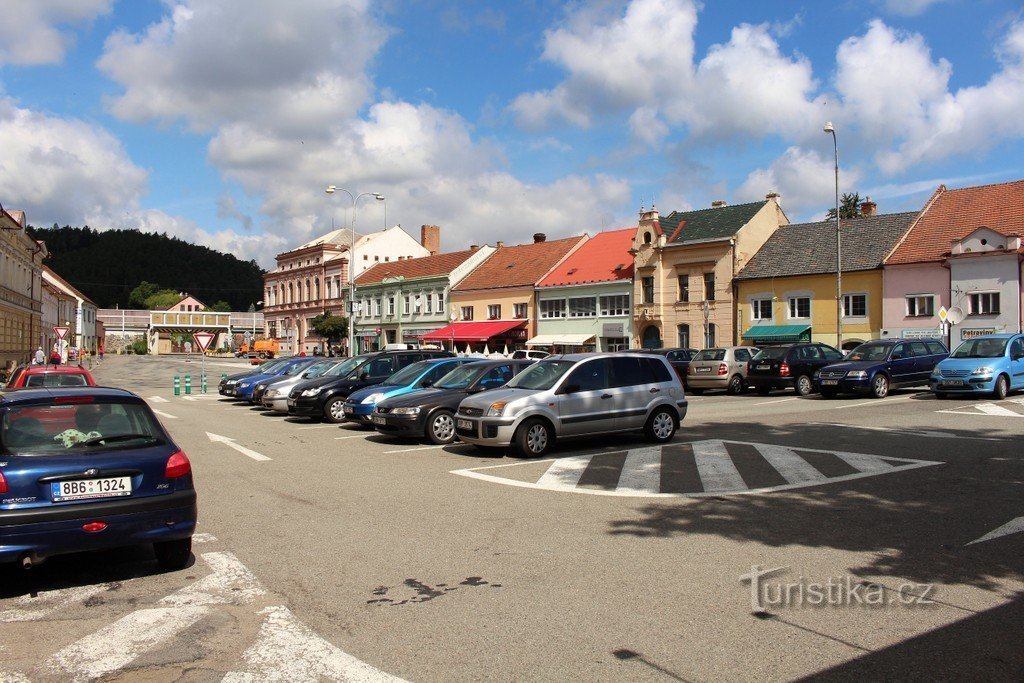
(21, 290)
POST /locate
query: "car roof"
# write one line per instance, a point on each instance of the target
(43, 394)
(584, 356)
(56, 369)
(1000, 335)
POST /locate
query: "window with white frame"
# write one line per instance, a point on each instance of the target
(615, 304)
(920, 306)
(799, 306)
(855, 305)
(494, 311)
(583, 307)
(376, 308)
(467, 312)
(427, 302)
(440, 302)
(519, 310)
(552, 308)
(760, 309)
(983, 303)
(391, 305)
(405, 304)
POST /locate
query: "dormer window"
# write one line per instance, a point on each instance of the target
(647, 238)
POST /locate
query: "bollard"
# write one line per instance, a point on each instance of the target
(202, 383)
(223, 377)
(177, 385)
(188, 385)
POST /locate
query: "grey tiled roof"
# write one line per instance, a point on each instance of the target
(810, 248)
(724, 221)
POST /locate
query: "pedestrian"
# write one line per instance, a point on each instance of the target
(55, 357)
(101, 350)
(40, 358)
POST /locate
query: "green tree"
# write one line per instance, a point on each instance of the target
(331, 327)
(139, 295)
(165, 298)
(221, 307)
(849, 206)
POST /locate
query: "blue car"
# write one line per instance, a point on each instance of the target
(992, 364)
(875, 367)
(246, 385)
(360, 403)
(90, 468)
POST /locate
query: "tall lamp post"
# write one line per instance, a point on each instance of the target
(331, 189)
(839, 247)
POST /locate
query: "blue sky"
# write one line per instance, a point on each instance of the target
(221, 121)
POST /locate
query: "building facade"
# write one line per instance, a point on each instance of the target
(21, 293)
(80, 316)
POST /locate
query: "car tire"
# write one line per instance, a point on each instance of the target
(261, 355)
(334, 410)
(879, 386)
(763, 391)
(441, 427)
(735, 386)
(804, 385)
(828, 393)
(660, 426)
(1001, 388)
(533, 438)
(173, 554)
(696, 392)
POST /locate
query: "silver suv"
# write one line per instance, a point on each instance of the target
(577, 394)
(720, 368)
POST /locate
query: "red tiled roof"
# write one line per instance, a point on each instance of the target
(519, 266)
(604, 257)
(954, 214)
(473, 331)
(425, 266)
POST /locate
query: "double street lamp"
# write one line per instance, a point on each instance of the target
(331, 189)
(839, 247)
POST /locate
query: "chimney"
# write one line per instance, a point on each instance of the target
(539, 237)
(499, 244)
(868, 207)
(474, 247)
(430, 238)
(718, 204)
(774, 196)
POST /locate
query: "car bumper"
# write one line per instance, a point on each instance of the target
(770, 382)
(485, 431)
(707, 381)
(408, 426)
(358, 412)
(970, 386)
(279, 404)
(846, 386)
(305, 407)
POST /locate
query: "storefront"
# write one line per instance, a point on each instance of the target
(562, 342)
(490, 336)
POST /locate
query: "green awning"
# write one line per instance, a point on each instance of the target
(778, 333)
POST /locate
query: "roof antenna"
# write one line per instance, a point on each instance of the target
(642, 204)
(653, 208)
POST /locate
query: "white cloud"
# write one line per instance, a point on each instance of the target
(804, 178)
(909, 8)
(29, 32)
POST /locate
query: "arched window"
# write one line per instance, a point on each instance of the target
(647, 238)
(652, 337)
(316, 288)
(684, 335)
(291, 293)
(308, 291)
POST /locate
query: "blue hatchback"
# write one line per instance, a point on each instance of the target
(90, 468)
(360, 404)
(992, 364)
(246, 385)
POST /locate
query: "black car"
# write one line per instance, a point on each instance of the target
(876, 366)
(430, 412)
(789, 366)
(324, 397)
(678, 358)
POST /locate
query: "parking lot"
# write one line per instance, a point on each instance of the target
(330, 552)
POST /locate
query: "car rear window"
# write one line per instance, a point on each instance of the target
(935, 347)
(81, 428)
(710, 354)
(772, 353)
(56, 379)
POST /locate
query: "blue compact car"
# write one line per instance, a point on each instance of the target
(992, 364)
(360, 403)
(875, 367)
(90, 468)
(246, 385)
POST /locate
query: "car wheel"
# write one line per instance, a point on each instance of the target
(804, 386)
(261, 355)
(880, 386)
(533, 438)
(735, 385)
(763, 391)
(661, 426)
(828, 393)
(173, 554)
(441, 427)
(1002, 388)
(334, 411)
(696, 392)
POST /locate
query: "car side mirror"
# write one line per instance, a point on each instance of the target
(363, 375)
(426, 383)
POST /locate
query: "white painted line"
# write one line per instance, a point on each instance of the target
(355, 436)
(871, 402)
(47, 602)
(863, 461)
(717, 470)
(1014, 526)
(287, 650)
(791, 466)
(231, 583)
(188, 398)
(641, 472)
(163, 414)
(331, 426)
(778, 400)
(158, 399)
(564, 473)
(421, 448)
(906, 432)
(241, 449)
(203, 538)
(993, 409)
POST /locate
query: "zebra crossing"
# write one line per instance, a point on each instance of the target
(701, 468)
(1011, 408)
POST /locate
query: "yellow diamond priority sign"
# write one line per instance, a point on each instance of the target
(943, 313)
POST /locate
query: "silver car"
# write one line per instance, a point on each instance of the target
(720, 368)
(275, 395)
(572, 395)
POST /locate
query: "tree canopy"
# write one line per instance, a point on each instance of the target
(849, 207)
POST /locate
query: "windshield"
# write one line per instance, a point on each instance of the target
(58, 428)
(870, 351)
(408, 374)
(541, 375)
(55, 379)
(270, 366)
(461, 377)
(772, 353)
(295, 369)
(980, 348)
(317, 369)
(345, 366)
(710, 354)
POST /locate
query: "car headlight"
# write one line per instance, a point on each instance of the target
(496, 409)
(411, 410)
(984, 370)
(271, 393)
(373, 398)
(857, 374)
(261, 387)
(243, 385)
(312, 392)
(936, 372)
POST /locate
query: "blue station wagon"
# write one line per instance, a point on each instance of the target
(992, 364)
(875, 367)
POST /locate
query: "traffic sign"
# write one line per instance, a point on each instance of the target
(203, 339)
(61, 332)
(943, 313)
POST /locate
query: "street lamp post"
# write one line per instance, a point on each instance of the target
(331, 189)
(839, 247)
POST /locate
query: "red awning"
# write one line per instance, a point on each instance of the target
(473, 331)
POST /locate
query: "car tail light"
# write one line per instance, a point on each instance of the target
(177, 466)
(723, 369)
(3, 483)
(689, 370)
(94, 527)
(784, 369)
(74, 399)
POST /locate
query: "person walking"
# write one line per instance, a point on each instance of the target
(55, 358)
(40, 358)
(101, 350)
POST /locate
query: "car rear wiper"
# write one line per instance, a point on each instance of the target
(116, 437)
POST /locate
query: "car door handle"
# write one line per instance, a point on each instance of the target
(655, 390)
(606, 395)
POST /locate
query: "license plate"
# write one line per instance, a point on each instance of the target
(91, 488)
(349, 410)
(829, 382)
(379, 420)
(764, 367)
(703, 369)
(952, 382)
(464, 424)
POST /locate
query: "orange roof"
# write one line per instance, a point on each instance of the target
(519, 266)
(604, 257)
(951, 215)
(425, 266)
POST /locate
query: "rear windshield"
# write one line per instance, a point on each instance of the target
(710, 354)
(56, 379)
(541, 375)
(772, 353)
(81, 428)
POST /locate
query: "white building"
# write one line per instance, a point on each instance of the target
(80, 316)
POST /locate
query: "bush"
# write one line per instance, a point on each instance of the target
(139, 347)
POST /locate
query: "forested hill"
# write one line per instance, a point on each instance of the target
(106, 266)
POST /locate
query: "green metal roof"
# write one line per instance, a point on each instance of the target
(703, 224)
(778, 333)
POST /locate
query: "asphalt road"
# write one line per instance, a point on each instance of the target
(329, 553)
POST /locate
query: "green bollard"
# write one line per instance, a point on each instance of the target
(188, 385)
(223, 377)
(177, 385)
(202, 383)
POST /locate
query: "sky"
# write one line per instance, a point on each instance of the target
(222, 121)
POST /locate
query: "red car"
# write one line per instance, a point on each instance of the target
(50, 376)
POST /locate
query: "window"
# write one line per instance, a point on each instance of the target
(800, 307)
(935, 347)
(684, 287)
(405, 304)
(494, 311)
(391, 305)
(428, 299)
(519, 310)
(647, 287)
(615, 305)
(761, 309)
(440, 302)
(709, 336)
(984, 303)
(582, 307)
(855, 305)
(918, 349)
(647, 238)
(376, 307)
(684, 336)
(552, 308)
(467, 312)
(591, 376)
(709, 286)
(920, 306)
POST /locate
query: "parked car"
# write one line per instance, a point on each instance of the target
(275, 396)
(789, 366)
(296, 369)
(679, 358)
(227, 384)
(875, 367)
(246, 385)
(324, 397)
(719, 368)
(532, 354)
(992, 364)
(430, 413)
(89, 468)
(359, 405)
(50, 376)
(578, 394)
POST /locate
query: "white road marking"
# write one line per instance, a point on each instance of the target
(356, 436)
(716, 468)
(331, 426)
(1014, 526)
(641, 472)
(203, 538)
(420, 448)
(864, 462)
(47, 602)
(908, 432)
(289, 651)
(871, 402)
(158, 399)
(230, 583)
(241, 449)
(163, 414)
(564, 473)
(993, 409)
(778, 400)
(791, 466)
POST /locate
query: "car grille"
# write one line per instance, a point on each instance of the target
(833, 374)
(950, 372)
(294, 393)
(470, 412)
